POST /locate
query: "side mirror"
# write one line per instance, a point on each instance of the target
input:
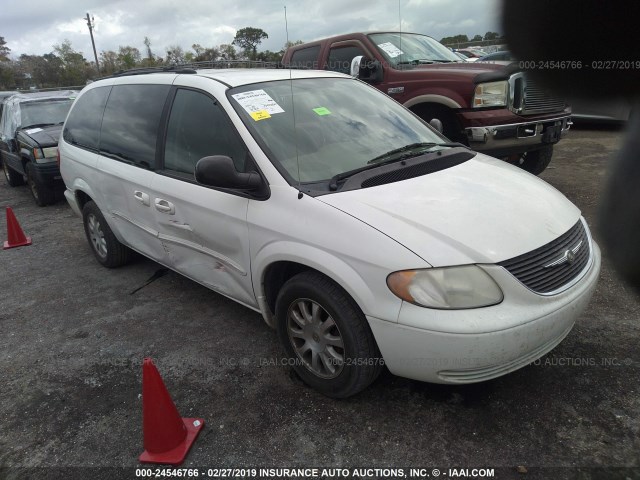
(219, 171)
(12, 145)
(355, 66)
(367, 70)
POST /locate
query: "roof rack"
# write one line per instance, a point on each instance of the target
(216, 64)
(147, 70)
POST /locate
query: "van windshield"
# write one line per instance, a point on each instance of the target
(411, 49)
(341, 125)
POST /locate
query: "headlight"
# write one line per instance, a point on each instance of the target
(45, 155)
(492, 94)
(446, 288)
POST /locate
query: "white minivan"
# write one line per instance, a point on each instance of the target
(357, 231)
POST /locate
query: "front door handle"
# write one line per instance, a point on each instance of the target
(142, 197)
(165, 206)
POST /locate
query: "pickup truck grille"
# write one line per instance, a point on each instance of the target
(537, 100)
(549, 268)
(528, 98)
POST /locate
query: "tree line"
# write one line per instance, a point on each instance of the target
(463, 40)
(64, 66)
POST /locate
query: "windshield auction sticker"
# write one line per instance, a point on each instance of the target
(390, 49)
(257, 103)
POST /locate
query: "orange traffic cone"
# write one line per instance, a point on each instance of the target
(167, 437)
(16, 236)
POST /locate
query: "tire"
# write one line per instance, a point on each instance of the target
(14, 179)
(312, 309)
(450, 126)
(42, 194)
(105, 246)
(536, 161)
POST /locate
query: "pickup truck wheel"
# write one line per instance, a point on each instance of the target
(326, 336)
(536, 161)
(42, 194)
(450, 126)
(104, 244)
(14, 179)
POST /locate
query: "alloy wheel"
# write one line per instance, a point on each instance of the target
(315, 337)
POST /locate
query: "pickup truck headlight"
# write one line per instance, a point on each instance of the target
(446, 288)
(491, 94)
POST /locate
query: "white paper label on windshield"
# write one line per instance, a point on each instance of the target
(31, 131)
(390, 49)
(257, 101)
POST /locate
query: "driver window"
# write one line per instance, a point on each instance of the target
(199, 128)
(340, 58)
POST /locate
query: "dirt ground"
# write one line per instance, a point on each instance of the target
(74, 334)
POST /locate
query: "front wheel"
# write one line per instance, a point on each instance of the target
(326, 336)
(106, 247)
(14, 179)
(536, 161)
(42, 194)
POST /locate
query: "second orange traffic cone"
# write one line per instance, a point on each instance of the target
(167, 436)
(16, 237)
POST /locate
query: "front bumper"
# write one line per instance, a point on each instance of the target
(48, 174)
(503, 140)
(469, 346)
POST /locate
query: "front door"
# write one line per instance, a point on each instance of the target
(204, 231)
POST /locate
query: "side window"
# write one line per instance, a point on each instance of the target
(199, 128)
(340, 58)
(83, 126)
(306, 58)
(130, 124)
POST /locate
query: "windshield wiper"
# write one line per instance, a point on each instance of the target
(422, 61)
(407, 150)
(333, 182)
(380, 160)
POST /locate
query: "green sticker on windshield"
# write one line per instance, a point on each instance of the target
(322, 111)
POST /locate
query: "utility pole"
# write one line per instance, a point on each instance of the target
(90, 24)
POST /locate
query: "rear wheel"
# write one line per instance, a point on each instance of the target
(536, 161)
(105, 246)
(42, 194)
(326, 336)
(13, 178)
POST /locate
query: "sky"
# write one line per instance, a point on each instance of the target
(34, 28)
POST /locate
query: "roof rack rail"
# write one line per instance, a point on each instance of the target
(219, 64)
(147, 70)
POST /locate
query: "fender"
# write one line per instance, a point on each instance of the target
(320, 260)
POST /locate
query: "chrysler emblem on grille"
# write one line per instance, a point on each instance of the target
(567, 257)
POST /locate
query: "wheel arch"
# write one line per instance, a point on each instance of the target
(82, 192)
(273, 269)
(434, 99)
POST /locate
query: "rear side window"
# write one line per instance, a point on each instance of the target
(306, 57)
(130, 124)
(83, 126)
(199, 128)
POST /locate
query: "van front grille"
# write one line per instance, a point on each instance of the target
(548, 268)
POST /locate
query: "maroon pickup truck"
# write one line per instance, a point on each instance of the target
(494, 109)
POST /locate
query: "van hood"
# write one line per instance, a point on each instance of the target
(481, 211)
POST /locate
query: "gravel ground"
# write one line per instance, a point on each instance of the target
(74, 335)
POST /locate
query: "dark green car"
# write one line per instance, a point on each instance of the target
(30, 126)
